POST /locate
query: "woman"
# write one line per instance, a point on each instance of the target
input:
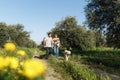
(56, 42)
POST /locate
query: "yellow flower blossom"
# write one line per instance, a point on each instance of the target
(11, 62)
(21, 52)
(33, 68)
(21, 63)
(10, 46)
(1, 63)
(20, 71)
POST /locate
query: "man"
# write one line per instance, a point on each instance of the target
(48, 44)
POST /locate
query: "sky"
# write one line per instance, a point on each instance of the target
(40, 16)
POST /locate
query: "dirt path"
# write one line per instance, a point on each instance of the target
(51, 74)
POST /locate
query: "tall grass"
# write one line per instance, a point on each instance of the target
(108, 60)
(75, 71)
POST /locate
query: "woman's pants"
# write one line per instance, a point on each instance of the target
(56, 50)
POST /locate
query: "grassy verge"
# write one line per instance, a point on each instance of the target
(105, 60)
(57, 65)
(73, 71)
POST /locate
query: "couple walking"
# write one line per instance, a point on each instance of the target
(52, 43)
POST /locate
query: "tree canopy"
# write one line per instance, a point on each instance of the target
(104, 15)
(75, 36)
(16, 34)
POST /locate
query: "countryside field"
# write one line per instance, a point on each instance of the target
(83, 65)
(16, 63)
(60, 40)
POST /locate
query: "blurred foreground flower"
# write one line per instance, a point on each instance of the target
(21, 52)
(33, 68)
(1, 63)
(9, 46)
(11, 62)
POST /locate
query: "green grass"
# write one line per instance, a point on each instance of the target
(105, 60)
(56, 64)
(73, 71)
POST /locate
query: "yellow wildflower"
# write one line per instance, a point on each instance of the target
(1, 63)
(12, 62)
(20, 71)
(6, 61)
(10, 46)
(21, 52)
(21, 63)
(33, 68)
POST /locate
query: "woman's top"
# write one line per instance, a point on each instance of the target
(56, 40)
